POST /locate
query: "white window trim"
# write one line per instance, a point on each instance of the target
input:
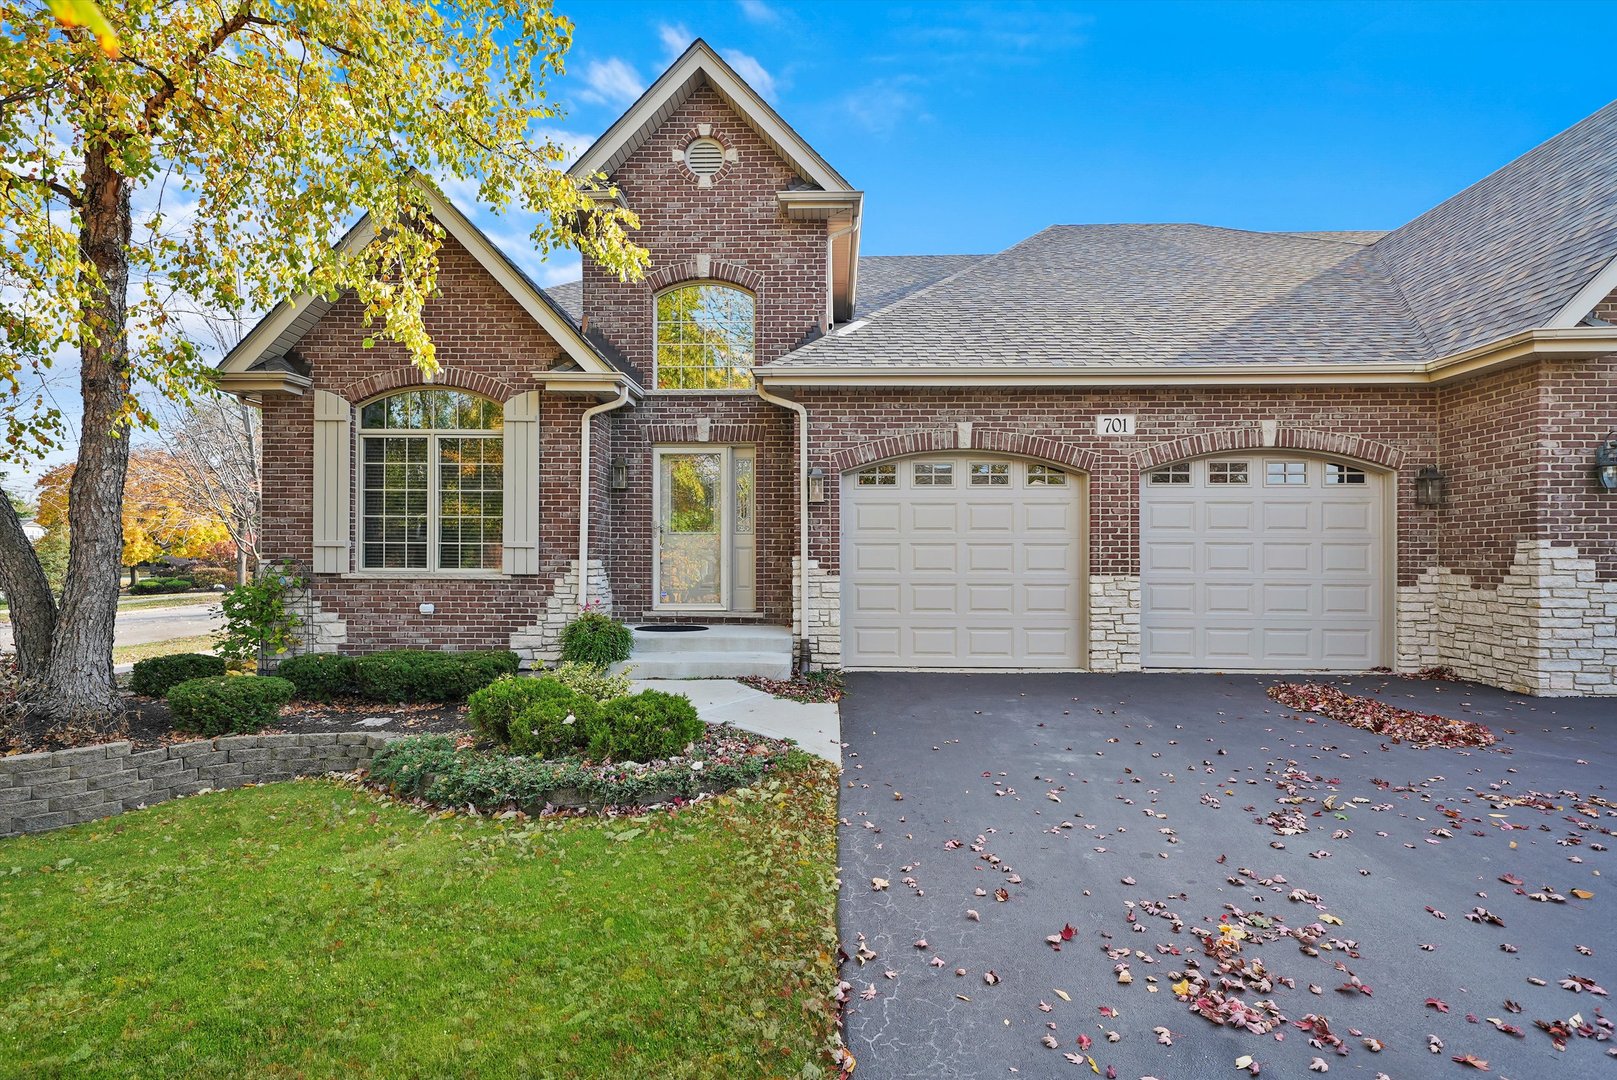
(749, 389)
(434, 538)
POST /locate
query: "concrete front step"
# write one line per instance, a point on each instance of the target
(717, 638)
(708, 665)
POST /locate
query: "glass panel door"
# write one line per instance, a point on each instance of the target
(691, 501)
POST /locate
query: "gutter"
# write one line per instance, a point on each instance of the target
(584, 489)
(802, 507)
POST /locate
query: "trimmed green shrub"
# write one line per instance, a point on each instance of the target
(213, 577)
(644, 727)
(429, 767)
(154, 586)
(405, 675)
(555, 727)
(591, 680)
(318, 676)
(491, 709)
(228, 704)
(155, 676)
(596, 638)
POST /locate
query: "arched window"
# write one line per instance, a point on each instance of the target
(704, 338)
(432, 492)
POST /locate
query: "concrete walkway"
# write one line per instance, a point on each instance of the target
(815, 728)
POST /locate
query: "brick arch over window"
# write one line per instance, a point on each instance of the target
(448, 378)
(1015, 443)
(1369, 451)
(702, 269)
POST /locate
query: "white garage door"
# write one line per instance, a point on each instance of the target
(1262, 562)
(960, 561)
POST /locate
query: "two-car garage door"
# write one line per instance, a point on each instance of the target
(1262, 561)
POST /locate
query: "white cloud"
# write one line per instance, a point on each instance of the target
(759, 12)
(676, 38)
(751, 70)
(883, 105)
(611, 82)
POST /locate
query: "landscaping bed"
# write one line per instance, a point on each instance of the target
(312, 928)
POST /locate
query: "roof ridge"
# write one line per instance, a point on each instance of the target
(979, 264)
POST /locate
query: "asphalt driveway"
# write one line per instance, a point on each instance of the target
(1082, 794)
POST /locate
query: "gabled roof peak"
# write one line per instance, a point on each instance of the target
(701, 65)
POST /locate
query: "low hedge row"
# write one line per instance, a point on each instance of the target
(228, 704)
(154, 586)
(429, 767)
(397, 675)
(547, 718)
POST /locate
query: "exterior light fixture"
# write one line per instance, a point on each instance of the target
(620, 474)
(1606, 462)
(1430, 487)
(816, 485)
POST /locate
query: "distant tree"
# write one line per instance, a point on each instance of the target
(253, 132)
(214, 443)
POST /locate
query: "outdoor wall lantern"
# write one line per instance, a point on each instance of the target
(1606, 462)
(816, 485)
(620, 474)
(1430, 487)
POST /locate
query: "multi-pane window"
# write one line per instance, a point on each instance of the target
(1283, 473)
(879, 476)
(1171, 474)
(432, 491)
(1045, 476)
(1227, 472)
(990, 474)
(1337, 473)
(934, 474)
(705, 338)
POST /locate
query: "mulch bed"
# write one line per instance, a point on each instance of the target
(148, 723)
(1400, 725)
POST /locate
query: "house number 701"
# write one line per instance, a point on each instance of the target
(1119, 424)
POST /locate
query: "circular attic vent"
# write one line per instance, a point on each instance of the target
(704, 157)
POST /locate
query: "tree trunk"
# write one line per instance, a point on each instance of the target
(241, 563)
(77, 684)
(33, 608)
(134, 575)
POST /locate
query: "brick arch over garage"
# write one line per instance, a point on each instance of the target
(1368, 451)
(448, 378)
(988, 440)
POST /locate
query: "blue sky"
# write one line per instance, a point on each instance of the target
(971, 126)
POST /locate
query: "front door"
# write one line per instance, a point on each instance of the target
(704, 538)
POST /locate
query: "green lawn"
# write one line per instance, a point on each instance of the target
(310, 929)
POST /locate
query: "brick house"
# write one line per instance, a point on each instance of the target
(1105, 448)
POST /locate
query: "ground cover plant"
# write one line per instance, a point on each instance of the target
(314, 929)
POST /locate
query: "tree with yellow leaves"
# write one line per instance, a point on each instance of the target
(206, 161)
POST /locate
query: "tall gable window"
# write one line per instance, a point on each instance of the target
(432, 486)
(705, 338)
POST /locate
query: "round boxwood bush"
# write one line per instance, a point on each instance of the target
(555, 727)
(403, 675)
(228, 704)
(491, 709)
(596, 638)
(318, 676)
(644, 727)
(153, 677)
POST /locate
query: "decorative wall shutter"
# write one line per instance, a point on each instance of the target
(333, 481)
(522, 484)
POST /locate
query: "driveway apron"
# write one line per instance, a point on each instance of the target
(1117, 805)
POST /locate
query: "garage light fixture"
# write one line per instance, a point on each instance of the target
(1430, 487)
(816, 485)
(1606, 462)
(620, 473)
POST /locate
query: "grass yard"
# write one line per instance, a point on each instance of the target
(311, 929)
(130, 654)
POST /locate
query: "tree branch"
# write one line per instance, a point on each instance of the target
(8, 177)
(158, 101)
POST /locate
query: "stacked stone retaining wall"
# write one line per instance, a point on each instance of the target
(48, 790)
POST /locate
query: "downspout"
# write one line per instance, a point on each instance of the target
(802, 506)
(584, 489)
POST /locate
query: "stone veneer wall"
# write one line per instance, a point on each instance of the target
(1548, 627)
(540, 643)
(1114, 623)
(64, 787)
(824, 613)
